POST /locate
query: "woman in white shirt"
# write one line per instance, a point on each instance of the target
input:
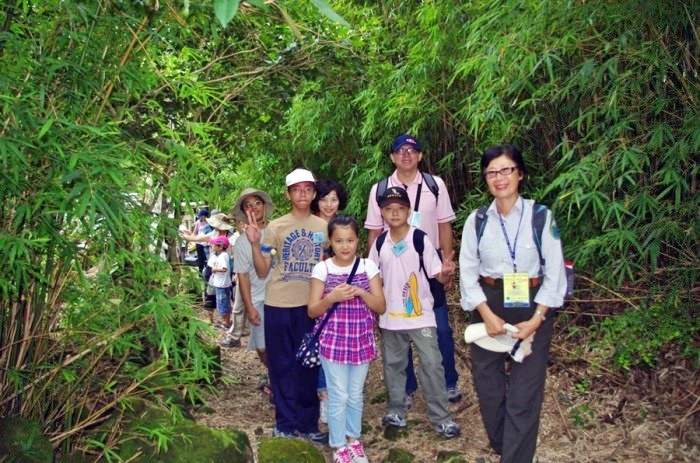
(506, 251)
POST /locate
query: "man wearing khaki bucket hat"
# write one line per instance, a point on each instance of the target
(250, 301)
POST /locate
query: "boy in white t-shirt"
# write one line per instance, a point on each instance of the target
(220, 263)
(409, 314)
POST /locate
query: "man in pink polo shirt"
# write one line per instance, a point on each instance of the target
(431, 211)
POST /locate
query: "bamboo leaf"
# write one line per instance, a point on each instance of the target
(330, 13)
(259, 4)
(290, 22)
(225, 10)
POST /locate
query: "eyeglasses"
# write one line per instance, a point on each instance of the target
(408, 150)
(505, 171)
(252, 204)
(297, 190)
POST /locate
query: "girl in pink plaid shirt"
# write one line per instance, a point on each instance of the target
(347, 342)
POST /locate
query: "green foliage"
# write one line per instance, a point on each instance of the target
(601, 98)
(640, 336)
(116, 117)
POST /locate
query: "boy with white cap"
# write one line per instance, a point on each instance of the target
(296, 241)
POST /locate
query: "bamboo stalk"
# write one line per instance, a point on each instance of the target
(107, 92)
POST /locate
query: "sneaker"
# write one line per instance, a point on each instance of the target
(284, 435)
(453, 395)
(393, 419)
(230, 342)
(408, 401)
(323, 411)
(342, 455)
(448, 429)
(314, 437)
(221, 326)
(357, 452)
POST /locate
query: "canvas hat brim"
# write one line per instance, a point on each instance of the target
(476, 333)
(220, 221)
(238, 213)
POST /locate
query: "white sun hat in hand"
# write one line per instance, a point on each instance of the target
(476, 333)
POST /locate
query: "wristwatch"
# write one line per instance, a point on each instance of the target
(539, 312)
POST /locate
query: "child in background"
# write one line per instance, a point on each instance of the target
(409, 316)
(220, 263)
(346, 344)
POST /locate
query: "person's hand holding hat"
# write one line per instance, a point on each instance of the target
(518, 349)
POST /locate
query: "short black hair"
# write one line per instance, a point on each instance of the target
(323, 188)
(496, 151)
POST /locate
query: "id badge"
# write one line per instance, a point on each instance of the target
(414, 221)
(318, 237)
(516, 290)
(399, 248)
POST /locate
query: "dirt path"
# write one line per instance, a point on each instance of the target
(587, 416)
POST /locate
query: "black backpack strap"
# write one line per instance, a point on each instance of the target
(379, 242)
(428, 179)
(430, 182)
(539, 217)
(419, 246)
(381, 188)
(479, 224)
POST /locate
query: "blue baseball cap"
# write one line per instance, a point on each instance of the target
(202, 213)
(405, 139)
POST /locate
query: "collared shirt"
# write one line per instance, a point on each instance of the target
(495, 258)
(348, 336)
(433, 212)
(409, 302)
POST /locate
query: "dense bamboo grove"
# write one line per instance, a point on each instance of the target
(116, 113)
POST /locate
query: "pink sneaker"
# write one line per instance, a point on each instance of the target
(342, 455)
(357, 452)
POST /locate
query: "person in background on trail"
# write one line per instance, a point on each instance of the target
(220, 263)
(219, 225)
(330, 198)
(508, 252)
(409, 316)
(186, 225)
(296, 240)
(346, 344)
(201, 227)
(239, 322)
(251, 287)
(431, 212)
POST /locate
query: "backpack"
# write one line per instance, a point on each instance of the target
(428, 179)
(539, 217)
(436, 288)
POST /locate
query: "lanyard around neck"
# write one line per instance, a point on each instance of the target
(511, 249)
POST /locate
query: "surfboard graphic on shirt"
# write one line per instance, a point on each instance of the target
(413, 307)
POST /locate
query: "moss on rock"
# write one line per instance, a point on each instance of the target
(22, 440)
(399, 456)
(447, 456)
(277, 450)
(152, 432)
